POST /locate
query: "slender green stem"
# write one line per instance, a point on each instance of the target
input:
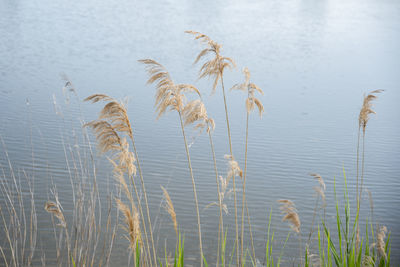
(145, 199)
(194, 188)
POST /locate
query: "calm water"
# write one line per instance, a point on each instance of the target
(314, 60)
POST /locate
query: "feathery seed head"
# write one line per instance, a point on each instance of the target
(380, 241)
(214, 67)
(132, 223)
(195, 112)
(366, 109)
(290, 214)
(170, 209)
(320, 189)
(234, 169)
(168, 95)
(107, 138)
(251, 89)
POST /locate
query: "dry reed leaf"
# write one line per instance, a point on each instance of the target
(55, 209)
(98, 97)
(170, 209)
(288, 208)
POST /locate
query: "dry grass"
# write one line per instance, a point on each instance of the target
(78, 242)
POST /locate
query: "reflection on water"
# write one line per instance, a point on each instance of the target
(314, 60)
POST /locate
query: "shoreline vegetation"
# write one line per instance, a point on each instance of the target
(86, 236)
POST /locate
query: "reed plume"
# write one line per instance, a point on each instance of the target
(290, 214)
(132, 224)
(251, 103)
(171, 95)
(169, 207)
(380, 242)
(214, 67)
(363, 119)
(113, 119)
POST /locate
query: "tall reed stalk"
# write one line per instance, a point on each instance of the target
(215, 68)
(363, 119)
(195, 112)
(251, 102)
(170, 95)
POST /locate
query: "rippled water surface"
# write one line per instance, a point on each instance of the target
(313, 59)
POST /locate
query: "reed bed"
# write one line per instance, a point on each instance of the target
(85, 236)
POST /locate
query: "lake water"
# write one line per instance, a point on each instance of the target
(313, 59)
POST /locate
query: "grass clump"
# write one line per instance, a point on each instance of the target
(87, 239)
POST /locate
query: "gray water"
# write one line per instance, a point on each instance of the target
(313, 59)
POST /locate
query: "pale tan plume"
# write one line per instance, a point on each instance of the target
(170, 209)
(290, 214)
(113, 119)
(195, 112)
(168, 95)
(132, 223)
(107, 138)
(234, 168)
(366, 109)
(215, 66)
(55, 209)
(113, 112)
(380, 241)
(251, 89)
(320, 189)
